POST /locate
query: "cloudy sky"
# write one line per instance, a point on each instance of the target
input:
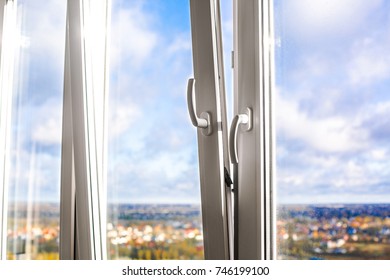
(333, 101)
(37, 101)
(332, 81)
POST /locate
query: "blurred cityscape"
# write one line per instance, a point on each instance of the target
(162, 231)
(139, 231)
(154, 232)
(337, 232)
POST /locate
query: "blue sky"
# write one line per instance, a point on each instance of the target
(332, 84)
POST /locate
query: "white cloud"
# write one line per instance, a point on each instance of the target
(320, 171)
(311, 68)
(48, 132)
(180, 43)
(370, 61)
(131, 28)
(34, 175)
(166, 176)
(311, 19)
(122, 116)
(43, 30)
(328, 134)
(47, 123)
(166, 165)
(379, 154)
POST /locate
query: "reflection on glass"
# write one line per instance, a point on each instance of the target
(33, 213)
(153, 180)
(332, 107)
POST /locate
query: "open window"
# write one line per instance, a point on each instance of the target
(138, 150)
(143, 133)
(130, 178)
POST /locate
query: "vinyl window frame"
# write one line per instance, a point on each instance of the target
(254, 174)
(83, 168)
(212, 149)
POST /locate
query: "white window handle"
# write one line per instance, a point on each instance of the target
(205, 119)
(246, 119)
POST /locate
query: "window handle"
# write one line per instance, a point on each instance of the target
(204, 121)
(240, 119)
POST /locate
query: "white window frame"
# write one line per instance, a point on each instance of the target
(83, 199)
(253, 89)
(212, 148)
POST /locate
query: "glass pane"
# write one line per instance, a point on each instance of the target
(226, 8)
(153, 180)
(33, 215)
(333, 105)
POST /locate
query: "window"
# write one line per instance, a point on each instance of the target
(95, 103)
(133, 129)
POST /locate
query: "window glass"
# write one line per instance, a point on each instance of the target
(332, 125)
(153, 181)
(33, 213)
(226, 10)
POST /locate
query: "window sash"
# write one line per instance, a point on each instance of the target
(253, 87)
(83, 178)
(212, 149)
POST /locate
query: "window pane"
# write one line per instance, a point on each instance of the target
(332, 104)
(33, 214)
(153, 180)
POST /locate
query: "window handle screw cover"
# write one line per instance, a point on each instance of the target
(240, 119)
(204, 121)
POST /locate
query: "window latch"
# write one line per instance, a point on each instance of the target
(244, 119)
(204, 121)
